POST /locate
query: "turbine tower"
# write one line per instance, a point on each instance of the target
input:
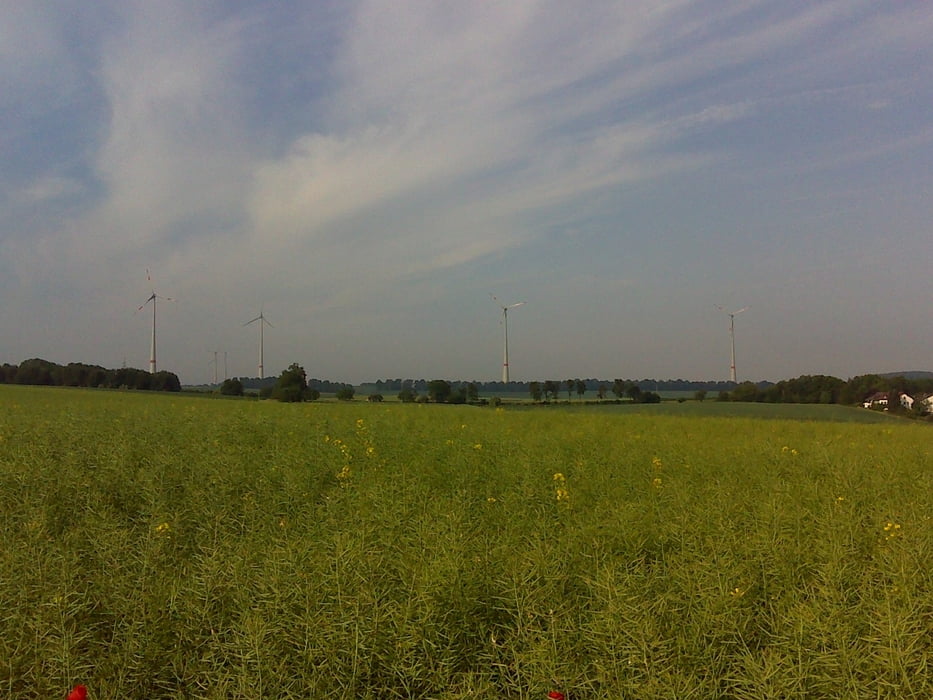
(732, 315)
(505, 323)
(152, 297)
(262, 322)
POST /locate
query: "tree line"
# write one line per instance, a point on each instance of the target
(41, 372)
(827, 389)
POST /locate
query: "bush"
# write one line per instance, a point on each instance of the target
(232, 387)
(346, 393)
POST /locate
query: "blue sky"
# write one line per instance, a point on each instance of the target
(369, 172)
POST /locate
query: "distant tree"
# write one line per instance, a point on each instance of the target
(38, 372)
(581, 388)
(231, 387)
(633, 391)
(649, 397)
(601, 391)
(472, 392)
(699, 395)
(407, 395)
(551, 388)
(291, 385)
(534, 389)
(345, 393)
(439, 390)
(374, 398)
(746, 391)
(618, 388)
(571, 384)
(165, 381)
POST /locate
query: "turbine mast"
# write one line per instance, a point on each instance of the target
(152, 349)
(262, 321)
(732, 315)
(505, 324)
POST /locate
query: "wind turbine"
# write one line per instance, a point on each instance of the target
(732, 315)
(152, 297)
(505, 322)
(262, 322)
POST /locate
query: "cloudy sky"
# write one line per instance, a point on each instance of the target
(368, 172)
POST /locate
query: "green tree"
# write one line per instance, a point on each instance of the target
(581, 388)
(345, 393)
(535, 389)
(601, 391)
(551, 388)
(232, 387)
(699, 395)
(291, 385)
(439, 390)
(618, 388)
(407, 395)
(571, 384)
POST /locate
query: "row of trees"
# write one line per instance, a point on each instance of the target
(550, 390)
(420, 386)
(41, 372)
(826, 389)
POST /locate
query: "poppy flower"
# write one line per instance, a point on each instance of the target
(555, 695)
(79, 692)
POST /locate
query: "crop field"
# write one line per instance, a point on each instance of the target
(164, 546)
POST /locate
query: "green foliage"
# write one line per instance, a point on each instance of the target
(699, 395)
(292, 385)
(534, 388)
(618, 388)
(231, 387)
(345, 393)
(167, 546)
(439, 390)
(407, 395)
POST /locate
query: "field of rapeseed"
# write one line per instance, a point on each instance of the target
(180, 547)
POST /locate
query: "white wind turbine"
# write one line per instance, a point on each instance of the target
(262, 322)
(732, 315)
(505, 323)
(152, 297)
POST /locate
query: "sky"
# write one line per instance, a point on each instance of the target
(367, 173)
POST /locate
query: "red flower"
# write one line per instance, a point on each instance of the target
(79, 692)
(555, 695)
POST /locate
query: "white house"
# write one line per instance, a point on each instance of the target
(879, 401)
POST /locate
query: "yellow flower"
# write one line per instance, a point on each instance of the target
(840, 499)
(359, 423)
(893, 529)
(562, 494)
(656, 462)
(162, 527)
(370, 451)
(477, 446)
(491, 499)
(656, 482)
(737, 592)
(558, 477)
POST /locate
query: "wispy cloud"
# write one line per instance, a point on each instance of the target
(253, 150)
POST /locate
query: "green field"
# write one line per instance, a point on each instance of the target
(166, 546)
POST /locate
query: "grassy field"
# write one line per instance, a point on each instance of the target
(163, 546)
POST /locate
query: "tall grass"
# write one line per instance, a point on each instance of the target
(170, 547)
